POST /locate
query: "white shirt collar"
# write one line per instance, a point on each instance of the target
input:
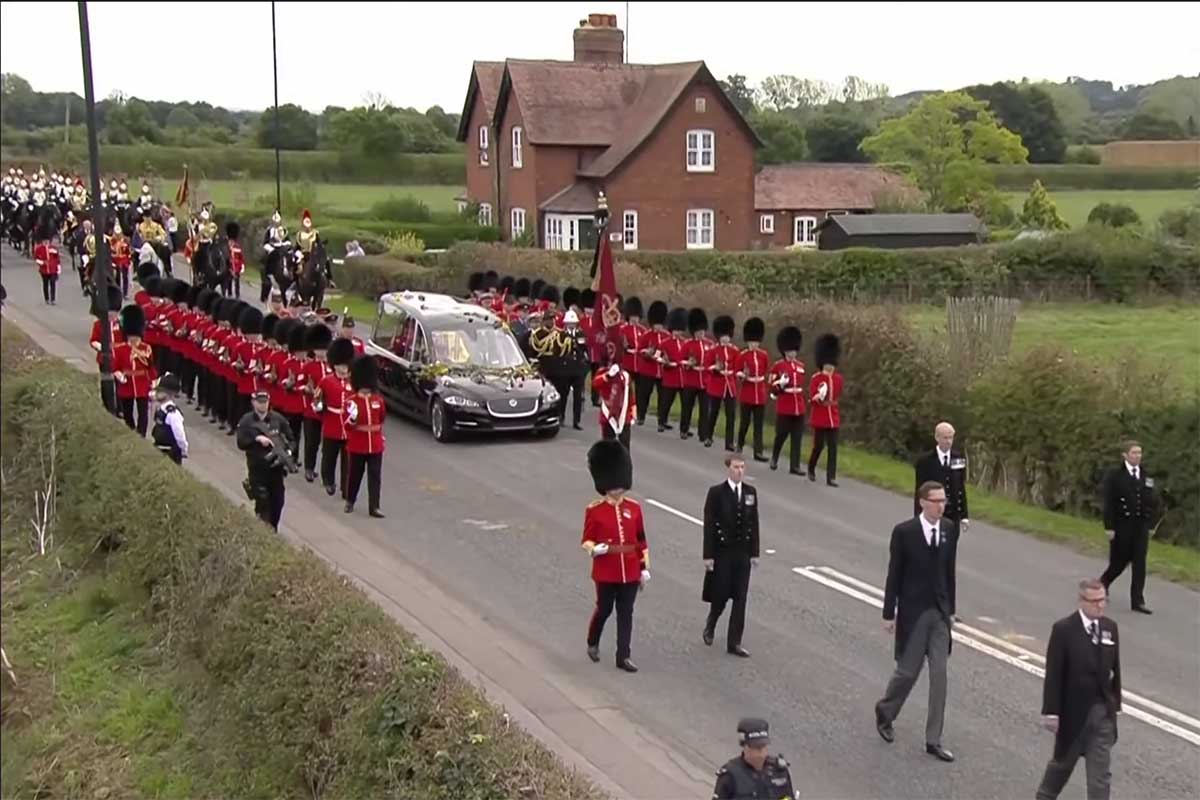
(929, 528)
(737, 487)
(943, 454)
(1130, 468)
(1087, 621)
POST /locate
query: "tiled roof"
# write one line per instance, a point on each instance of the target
(484, 87)
(578, 198)
(905, 224)
(816, 186)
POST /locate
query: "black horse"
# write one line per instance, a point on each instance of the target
(210, 265)
(278, 268)
(314, 277)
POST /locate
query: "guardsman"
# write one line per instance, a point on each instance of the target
(541, 346)
(364, 413)
(633, 335)
(787, 382)
(168, 433)
(246, 354)
(649, 365)
(614, 537)
(291, 382)
(346, 331)
(694, 350)
(753, 364)
(570, 302)
(237, 259)
(587, 321)
(754, 774)
(114, 325)
(316, 369)
(233, 347)
(306, 239)
(720, 383)
(825, 393)
(133, 369)
(146, 200)
(89, 257)
(277, 233)
(672, 360)
(475, 288)
(122, 256)
(122, 194)
(331, 401)
(45, 253)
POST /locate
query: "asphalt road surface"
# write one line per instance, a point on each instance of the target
(495, 525)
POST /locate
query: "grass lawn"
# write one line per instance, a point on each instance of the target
(1166, 335)
(330, 197)
(1076, 205)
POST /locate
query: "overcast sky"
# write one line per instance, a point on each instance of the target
(419, 54)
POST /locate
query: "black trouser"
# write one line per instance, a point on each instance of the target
(666, 399)
(687, 403)
(296, 422)
(1129, 546)
(265, 290)
(333, 451)
(202, 392)
(590, 377)
(622, 595)
(49, 288)
(572, 384)
(268, 495)
(788, 426)
(187, 376)
(220, 399)
(757, 412)
(606, 432)
(731, 573)
(373, 465)
(142, 404)
(236, 281)
(232, 403)
(644, 385)
(124, 273)
(708, 418)
(820, 437)
(312, 443)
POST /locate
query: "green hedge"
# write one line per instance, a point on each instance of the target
(216, 163)
(1020, 177)
(306, 683)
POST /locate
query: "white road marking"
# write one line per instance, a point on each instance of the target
(770, 552)
(677, 513)
(988, 620)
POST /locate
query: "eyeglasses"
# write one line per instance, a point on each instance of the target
(1096, 601)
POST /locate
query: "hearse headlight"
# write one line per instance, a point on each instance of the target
(460, 401)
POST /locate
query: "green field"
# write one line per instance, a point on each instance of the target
(1164, 337)
(329, 197)
(1076, 205)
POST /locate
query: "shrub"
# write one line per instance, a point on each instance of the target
(1040, 211)
(1114, 215)
(1019, 177)
(1082, 154)
(375, 275)
(404, 244)
(401, 209)
(1181, 223)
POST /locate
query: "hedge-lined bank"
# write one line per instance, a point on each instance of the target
(1041, 426)
(1020, 177)
(285, 680)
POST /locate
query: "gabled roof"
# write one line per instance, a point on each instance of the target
(814, 186)
(577, 198)
(905, 224)
(483, 87)
(618, 106)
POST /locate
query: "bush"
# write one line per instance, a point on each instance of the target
(1181, 223)
(375, 275)
(401, 209)
(404, 244)
(1082, 154)
(1114, 215)
(1019, 177)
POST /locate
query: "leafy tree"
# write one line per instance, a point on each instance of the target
(182, 118)
(857, 90)
(1153, 127)
(947, 140)
(783, 138)
(1071, 105)
(446, 124)
(131, 122)
(779, 92)
(1040, 211)
(16, 100)
(1029, 112)
(1114, 215)
(836, 138)
(297, 128)
(741, 95)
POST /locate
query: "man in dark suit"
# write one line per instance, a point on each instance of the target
(920, 579)
(730, 551)
(1128, 503)
(1081, 696)
(946, 466)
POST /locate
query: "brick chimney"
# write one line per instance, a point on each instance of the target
(598, 40)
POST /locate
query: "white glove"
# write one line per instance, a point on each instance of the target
(614, 370)
(645, 577)
(600, 549)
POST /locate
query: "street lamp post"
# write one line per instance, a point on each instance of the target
(275, 69)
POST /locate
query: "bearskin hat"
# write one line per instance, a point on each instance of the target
(697, 320)
(145, 272)
(169, 382)
(204, 299)
(610, 466)
(492, 277)
(535, 289)
(227, 310)
(550, 294)
(296, 338)
(506, 283)
(522, 288)
(232, 230)
(194, 294)
(153, 285)
(753, 330)
(341, 351)
(213, 309)
(570, 297)
(633, 308)
(250, 321)
(180, 290)
(723, 326)
(657, 313)
(587, 299)
(828, 350)
(318, 337)
(364, 373)
(283, 330)
(133, 320)
(677, 320)
(788, 339)
(475, 282)
(114, 297)
(268, 327)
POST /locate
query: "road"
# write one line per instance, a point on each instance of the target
(491, 530)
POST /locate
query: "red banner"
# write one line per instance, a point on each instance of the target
(181, 195)
(606, 315)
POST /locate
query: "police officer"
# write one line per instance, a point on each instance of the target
(754, 775)
(266, 463)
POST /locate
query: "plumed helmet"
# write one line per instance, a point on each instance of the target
(788, 339)
(723, 326)
(633, 307)
(232, 230)
(364, 373)
(697, 320)
(570, 318)
(268, 326)
(657, 314)
(306, 217)
(587, 298)
(475, 282)
(550, 294)
(341, 351)
(522, 288)
(610, 466)
(133, 320)
(296, 337)
(753, 330)
(319, 336)
(828, 350)
(570, 296)
(677, 320)
(250, 321)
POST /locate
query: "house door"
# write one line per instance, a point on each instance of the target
(805, 232)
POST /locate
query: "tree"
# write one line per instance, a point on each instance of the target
(1040, 211)
(182, 118)
(836, 138)
(297, 128)
(1153, 127)
(1072, 108)
(1029, 112)
(447, 124)
(16, 100)
(779, 92)
(947, 140)
(783, 138)
(130, 123)
(1114, 215)
(741, 95)
(857, 90)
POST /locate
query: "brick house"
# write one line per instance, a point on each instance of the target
(673, 155)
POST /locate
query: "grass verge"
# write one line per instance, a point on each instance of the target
(1076, 205)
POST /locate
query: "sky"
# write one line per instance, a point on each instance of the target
(420, 54)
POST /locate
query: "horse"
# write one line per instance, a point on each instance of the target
(314, 277)
(210, 264)
(277, 267)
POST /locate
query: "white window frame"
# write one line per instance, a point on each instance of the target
(518, 139)
(811, 224)
(695, 229)
(563, 231)
(766, 223)
(694, 145)
(485, 214)
(701, 105)
(483, 145)
(629, 230)
(517, 222)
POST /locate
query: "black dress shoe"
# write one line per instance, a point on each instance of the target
(348, 508)
(708, 442)
(232, 430)
(577, 426)
(661, 428)
(799, 472)
(812, 476)
(626, 665)
(886, 731)
(1143, 609)
(774, 465)
(738, 650)
(708, 637)
(832, 483)
(761, 457)
(376, 513)
(594, 654)
(666, 426)
(309, 475)
(330, 489)
(939, 752)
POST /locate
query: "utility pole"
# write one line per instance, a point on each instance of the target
(275, 68)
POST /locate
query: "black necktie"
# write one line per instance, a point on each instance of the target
(933, 539)
(945, 461)
(1095, 632)
(1135, 475)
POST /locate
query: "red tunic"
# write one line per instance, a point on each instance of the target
(633, 337)
(122, 257)
(649, 364)
(825, 412)
(789, 396)
(620, 526)
(752, 368)
(695, 350)
(721, 382)
(334, 391)
(364, 417)
(315, 371)
(220, 339)
(248, 354)
(674, 358)
(117, 337)
(173, 320)
(276, 371)
(46, 256)
(233, 344)
(618, 406)
(237, 260)
(133, 367)
(292, 399)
